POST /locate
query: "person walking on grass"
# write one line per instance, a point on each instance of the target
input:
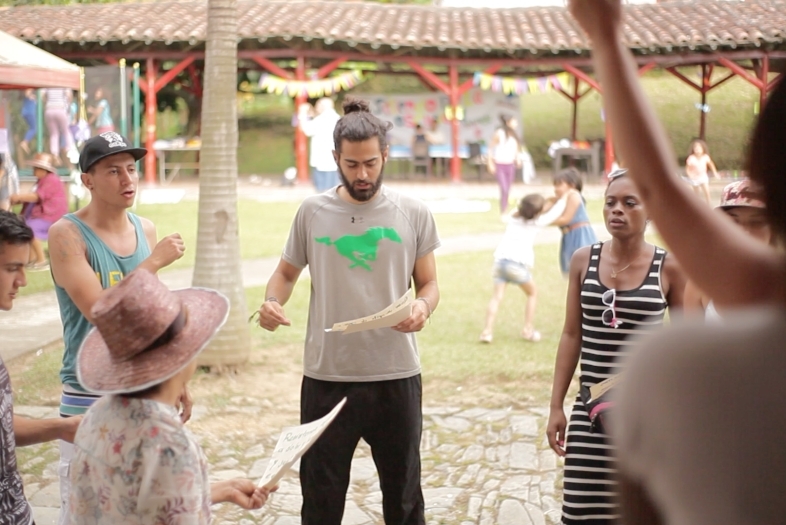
(503, 158)
(93, 249)
(514, 260)
(17, 431)
(365, 246)
(135, 462)
(696, 166)
(616, 290)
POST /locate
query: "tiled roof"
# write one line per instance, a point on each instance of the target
(520, 32)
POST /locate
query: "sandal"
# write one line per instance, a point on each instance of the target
(533, 336)
(486, 338)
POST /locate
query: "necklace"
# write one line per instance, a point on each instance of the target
(615, 273)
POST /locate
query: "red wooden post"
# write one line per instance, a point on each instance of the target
(764, 89)
(455, 161)
(151, 104)
(575, 98)
(706, 72)
(301, 146)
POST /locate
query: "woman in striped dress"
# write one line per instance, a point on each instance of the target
(617, 290)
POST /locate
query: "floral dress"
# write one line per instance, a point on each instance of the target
(135, 463)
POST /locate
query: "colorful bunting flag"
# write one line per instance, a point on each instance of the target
(310, 88)
(518, 86)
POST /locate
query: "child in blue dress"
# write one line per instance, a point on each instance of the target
(574, 221)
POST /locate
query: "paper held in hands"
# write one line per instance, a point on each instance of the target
(599, 389)
(390, 316)
(293, 443)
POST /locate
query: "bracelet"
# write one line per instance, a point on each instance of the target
(427, 306)
(271, 299)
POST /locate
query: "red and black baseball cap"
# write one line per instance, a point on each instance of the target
(104, 145)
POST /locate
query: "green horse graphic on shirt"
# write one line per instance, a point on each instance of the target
(360, 249)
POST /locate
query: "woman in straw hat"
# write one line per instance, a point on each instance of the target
(43, 205)
(135, 462)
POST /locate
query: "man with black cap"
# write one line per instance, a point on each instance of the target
(91, 250)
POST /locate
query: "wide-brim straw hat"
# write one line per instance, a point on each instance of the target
(42, 161)
(145, 334)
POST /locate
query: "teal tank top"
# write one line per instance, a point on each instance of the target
(110, 268)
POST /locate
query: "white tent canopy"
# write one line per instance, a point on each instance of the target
(23, 65)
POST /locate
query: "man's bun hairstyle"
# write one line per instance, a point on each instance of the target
(353, 105)
(358, 125)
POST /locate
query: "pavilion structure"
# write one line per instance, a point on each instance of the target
(445, 47)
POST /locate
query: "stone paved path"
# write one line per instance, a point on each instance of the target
(480, 466)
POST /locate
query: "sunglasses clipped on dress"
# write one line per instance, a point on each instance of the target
(609, 315)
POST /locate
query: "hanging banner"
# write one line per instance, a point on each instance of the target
(478, 113)
(518, 86)
(310, 88)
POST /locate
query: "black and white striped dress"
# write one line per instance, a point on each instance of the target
(589, 484)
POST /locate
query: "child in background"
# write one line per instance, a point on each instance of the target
(696, 166)
(574, 221)
(513, 263)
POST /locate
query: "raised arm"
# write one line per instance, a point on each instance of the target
(72, 271)
(730, 266)
(163, 252)
(568, 353)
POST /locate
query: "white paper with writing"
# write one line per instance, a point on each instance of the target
(293, 443)
(390, 316)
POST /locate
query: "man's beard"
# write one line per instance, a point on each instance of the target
(362, 195)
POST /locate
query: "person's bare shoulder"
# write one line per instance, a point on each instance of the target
(65, 240)
(673, 269)
(581, 257)
(147, 225)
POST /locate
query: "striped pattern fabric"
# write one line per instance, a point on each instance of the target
(589, 485)
(56, 98)
(74, 402)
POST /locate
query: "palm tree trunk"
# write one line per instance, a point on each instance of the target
(218, 263)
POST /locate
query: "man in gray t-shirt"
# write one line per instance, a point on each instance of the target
(365, 246)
